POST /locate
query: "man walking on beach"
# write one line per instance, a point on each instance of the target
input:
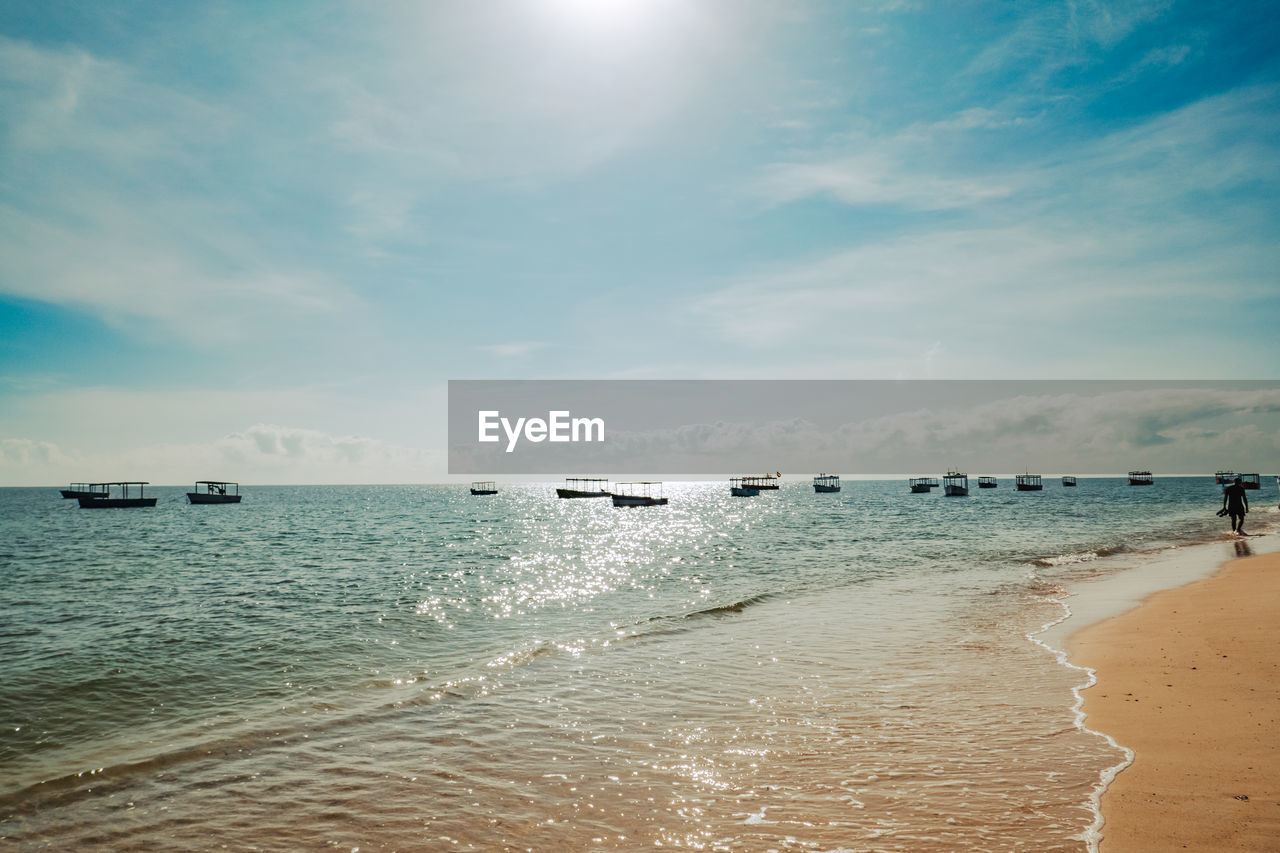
(1236, 504)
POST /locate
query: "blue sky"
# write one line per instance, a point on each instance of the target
(283, 226)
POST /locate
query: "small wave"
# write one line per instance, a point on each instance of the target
(660, 624)
(519, 657)
(725, 609)
(1071, 559)
(655, 626)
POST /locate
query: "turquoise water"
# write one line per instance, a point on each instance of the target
(411, 667)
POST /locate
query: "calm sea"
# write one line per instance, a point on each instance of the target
(413, 668)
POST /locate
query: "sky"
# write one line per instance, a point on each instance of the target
(254, 241)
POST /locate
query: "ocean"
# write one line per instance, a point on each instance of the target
(414, 668)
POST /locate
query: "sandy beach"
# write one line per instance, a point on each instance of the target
(1190, 681)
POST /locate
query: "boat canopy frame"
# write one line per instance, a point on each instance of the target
(639, 489)
(586, 481)
(217, 487)
(124, 487)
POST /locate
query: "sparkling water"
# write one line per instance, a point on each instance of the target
(415, 668)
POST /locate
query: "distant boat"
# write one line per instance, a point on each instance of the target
(987, 482)
(955, 484)
(1068, 480)
(584, 487)
(765, 482)
(824, 483)
(85, 490)
(638, 494)
(215, 492)
(922, 485)
(117, 496)
(1140, 478)
(484, 487)
(1028, 483)
(1250, 481)
(739, 489)
(1224, 478)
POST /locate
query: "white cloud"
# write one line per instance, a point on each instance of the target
(513, 350)
(1093, 245)
(262, 453)
(99, 212)
(26, 453)
(1051, 38)
(524, 91)
(1173, 430)
(877, 178)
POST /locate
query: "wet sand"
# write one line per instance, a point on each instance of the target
(1190, 681)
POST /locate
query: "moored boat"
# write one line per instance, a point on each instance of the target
(84, 490)
(584, 487)
(215, 492)
(117, 496)
(1028, 483)
(761, 482)
(987, 482)
(638, 494)
(955, 484)
(1141, 478)
(740, 490)
(484, 487)
(922, 485)
(1250, 481)
(826, 483)
(765, 482)
(1068, 480)
(1224, 478)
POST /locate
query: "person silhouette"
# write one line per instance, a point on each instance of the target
(1236, 504)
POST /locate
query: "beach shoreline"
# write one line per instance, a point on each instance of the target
(1188, 679)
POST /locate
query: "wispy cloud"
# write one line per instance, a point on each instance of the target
(90, 219)
(262, 453)
(514, 349)
(875, 178)
(1054, 37)
(1072, 240)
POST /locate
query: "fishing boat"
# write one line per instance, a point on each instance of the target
(1250, 481)
(826, 483)
(739, 489)
(765, 482)
(1141, 478)
(215, 492)
(1068, 480)
(1028, 483)
(987, 482)
(638, 494)
(484, 487)
(84, 490)
(922, 485)
(584, 487)
(1224, 478)
(761, 482)
(955, 484)
(117, 496)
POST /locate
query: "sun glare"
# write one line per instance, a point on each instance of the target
(601, 14)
